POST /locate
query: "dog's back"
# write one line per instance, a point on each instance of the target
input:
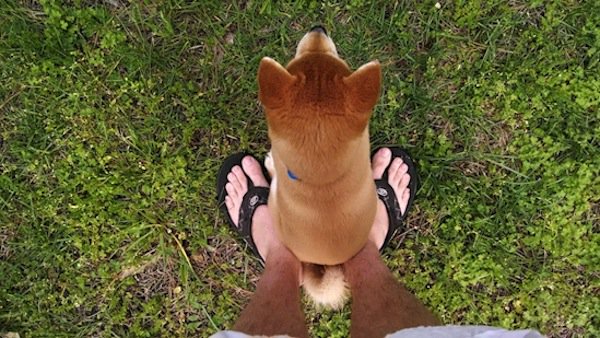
(323, 197)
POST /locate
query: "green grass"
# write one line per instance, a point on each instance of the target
(115, 116)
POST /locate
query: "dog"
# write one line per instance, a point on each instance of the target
(322, 195)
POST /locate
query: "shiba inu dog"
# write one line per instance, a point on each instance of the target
(322, 196)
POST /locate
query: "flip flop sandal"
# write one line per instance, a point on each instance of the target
(254, 197)
(386, 193)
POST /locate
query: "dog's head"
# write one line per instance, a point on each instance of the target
(317, 105)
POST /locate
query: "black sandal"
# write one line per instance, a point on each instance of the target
(254, 197)
(386, 193)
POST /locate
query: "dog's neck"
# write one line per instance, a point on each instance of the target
(292, 176)
(319, 167)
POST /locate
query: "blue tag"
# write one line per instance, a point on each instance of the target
(292, 176)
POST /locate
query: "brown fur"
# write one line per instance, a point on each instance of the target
(317, 112)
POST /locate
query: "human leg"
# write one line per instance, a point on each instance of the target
(380, 304)
(275, 305)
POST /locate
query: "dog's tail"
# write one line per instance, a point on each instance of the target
(326, 285)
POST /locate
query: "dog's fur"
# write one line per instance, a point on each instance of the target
(318, 111)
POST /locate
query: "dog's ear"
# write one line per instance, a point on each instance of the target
(363, 87)
(274, 83)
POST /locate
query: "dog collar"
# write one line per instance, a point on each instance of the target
(292, 176)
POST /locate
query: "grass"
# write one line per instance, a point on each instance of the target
(115, 116)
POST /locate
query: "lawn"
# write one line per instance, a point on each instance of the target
(115, 117)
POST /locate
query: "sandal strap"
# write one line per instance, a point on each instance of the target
(386, 194)
(254, 198)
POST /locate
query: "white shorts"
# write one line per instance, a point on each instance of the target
(448, 331)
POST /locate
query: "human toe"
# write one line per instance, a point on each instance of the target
(404, 200)
(404, 181)
(241, 177)
(380, 161)
(394, 172)
(251, 166)
(233, 180)
(232, 192)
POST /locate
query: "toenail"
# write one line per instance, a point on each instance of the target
(247, 160)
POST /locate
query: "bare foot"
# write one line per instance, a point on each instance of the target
(263, 232)
(398, 178)
(237, 185)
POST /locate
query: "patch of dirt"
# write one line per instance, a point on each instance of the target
(160, 278)
(32, 5)
(200, 137)
(227, 140)
(441, 124)
(531, 16)
(6, 235)
(497, 138)
(227, 252)
(536, 257)
(568, 333)
(156, 277)
(114, 3)
(471, 168)
(419, 222)
(215, 143)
